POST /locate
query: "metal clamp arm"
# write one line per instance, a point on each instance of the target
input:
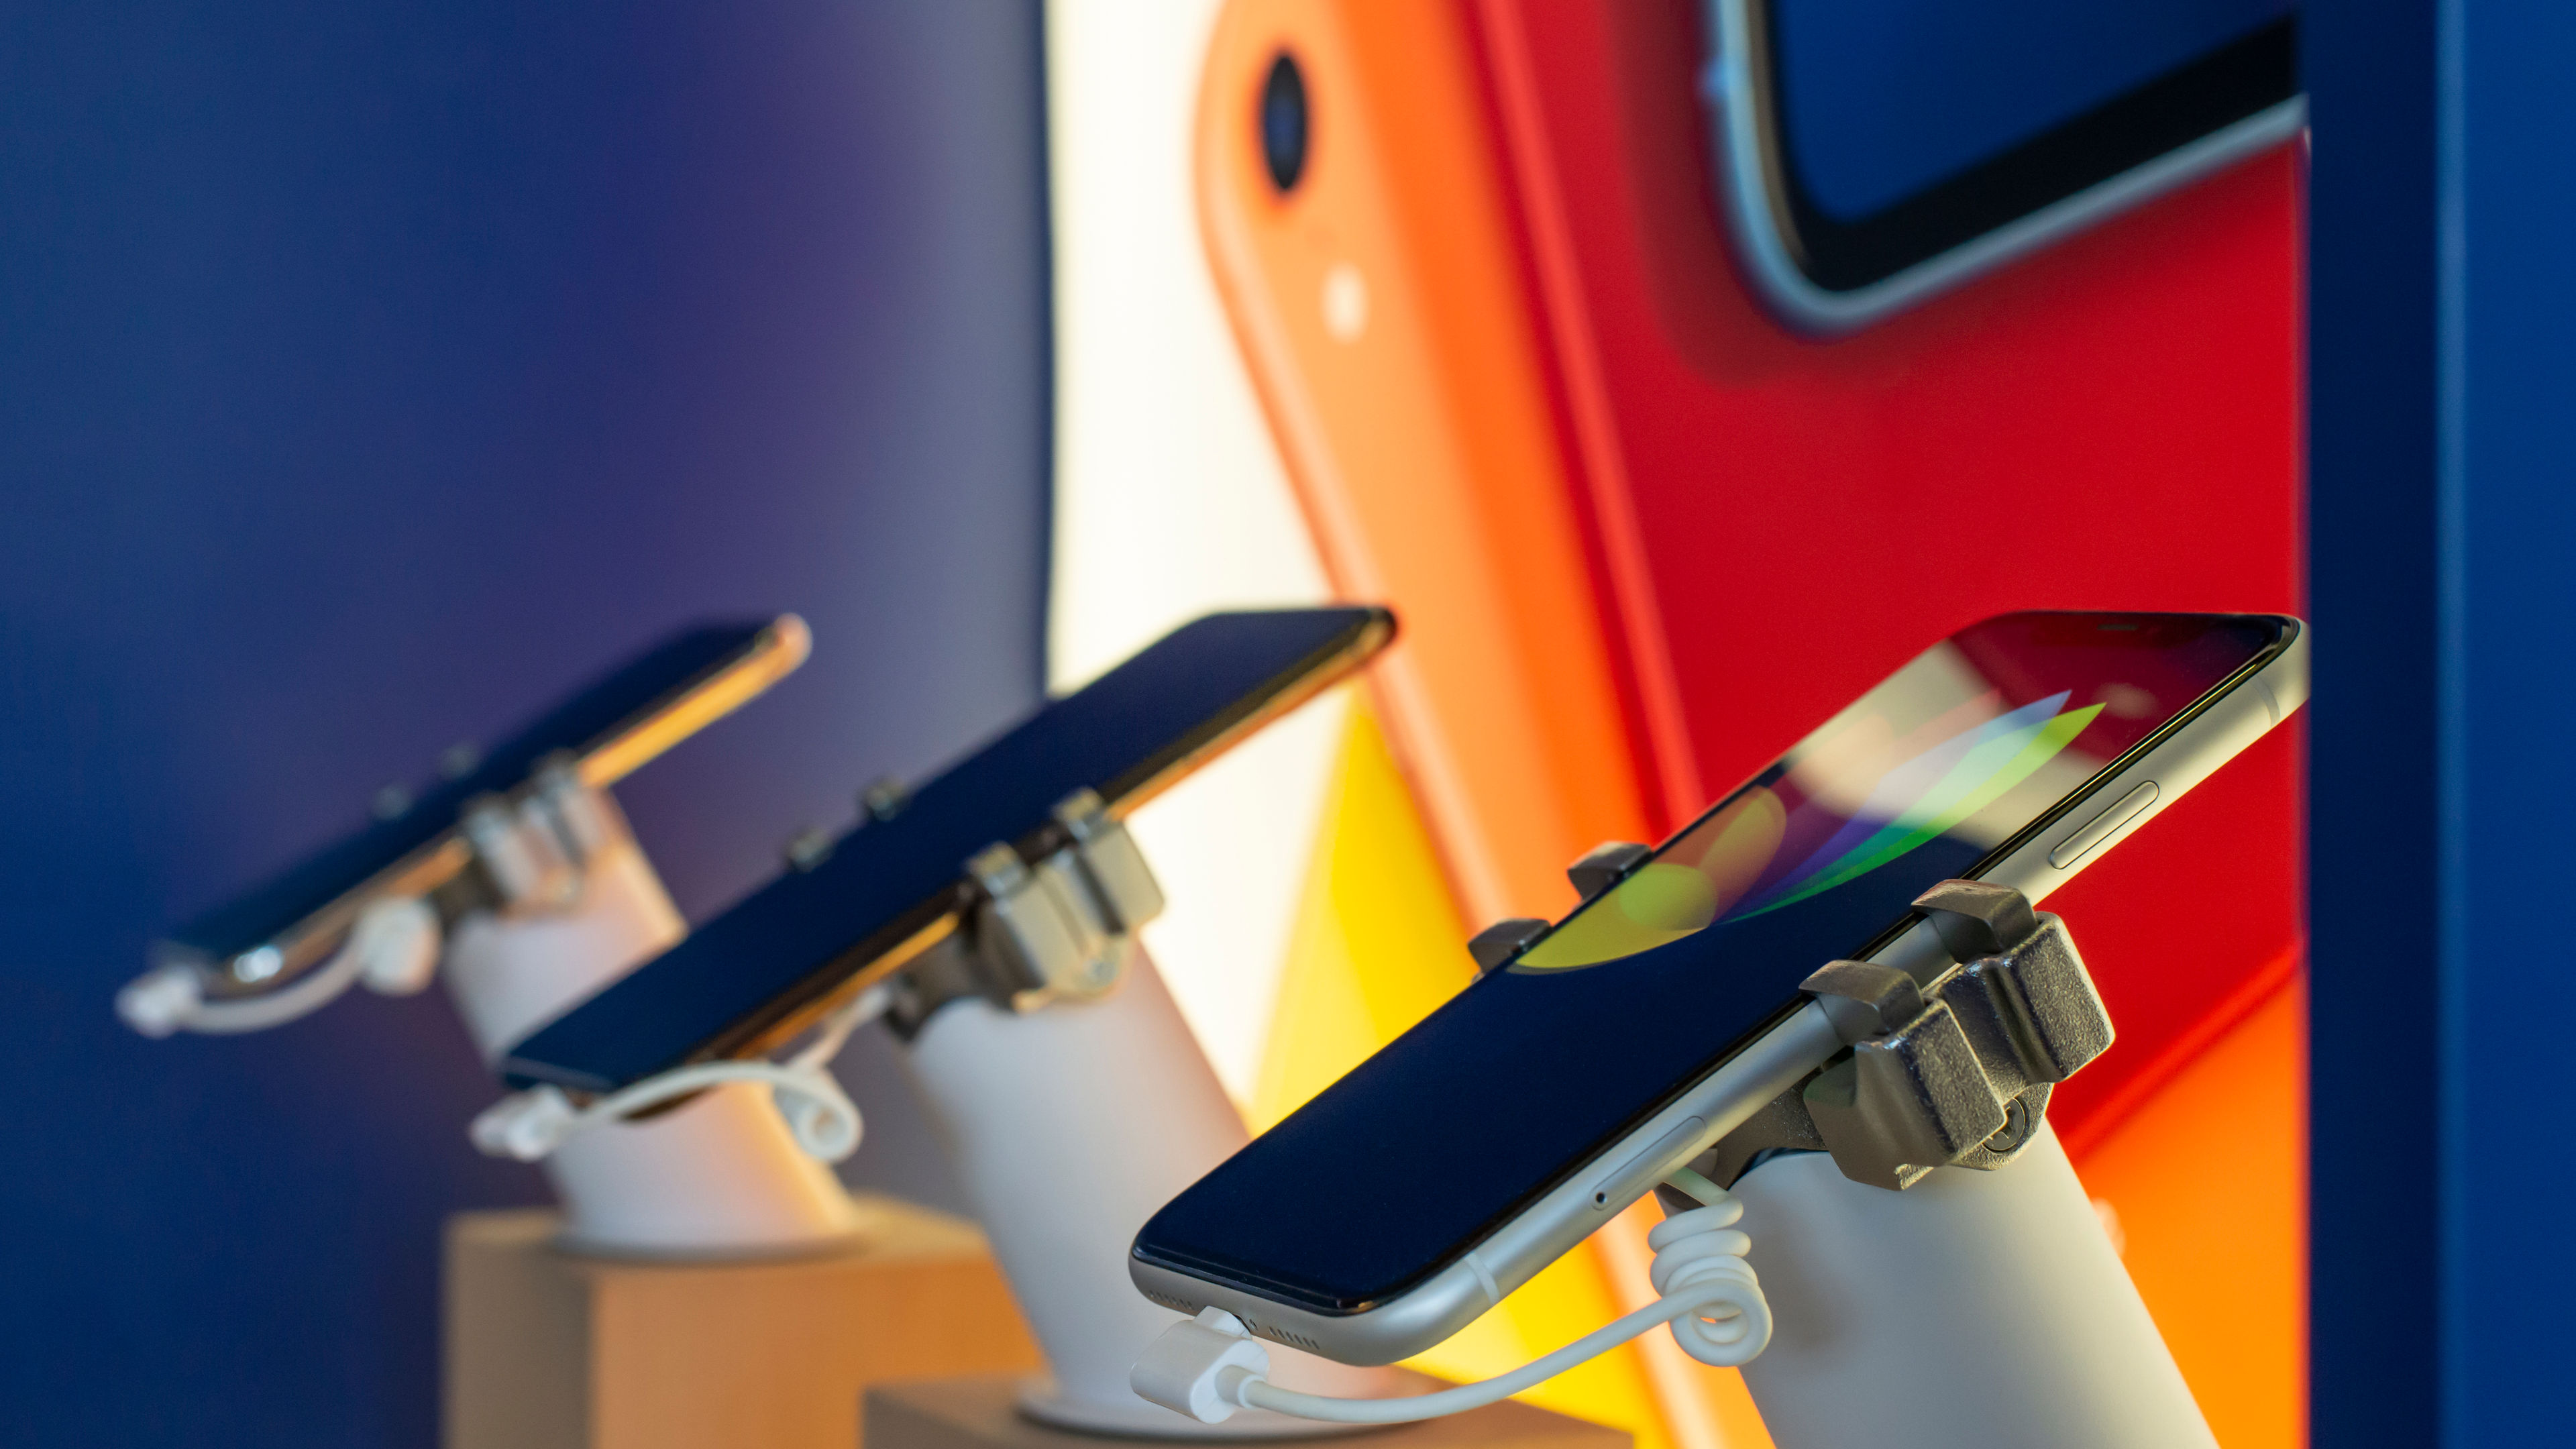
(1053, 929)
(1951, 1072)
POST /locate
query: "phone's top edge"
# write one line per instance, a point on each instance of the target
(1374, 629)
(1753, 196)
(2289, 628)
(719, 666)
(774, 959)
(777, 650)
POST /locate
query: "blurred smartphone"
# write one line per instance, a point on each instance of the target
(287, 925)
(1532, 398)
(896, 885)
(1872, 153)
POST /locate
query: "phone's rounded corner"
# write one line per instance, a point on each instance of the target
(786, 643)
(1747, 189)
(1750, 189)
(2285, 674)
(1381, 630)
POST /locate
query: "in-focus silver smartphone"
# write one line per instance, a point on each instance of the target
(1871, 153)
(1413, 1194)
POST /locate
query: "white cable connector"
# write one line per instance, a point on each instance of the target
(531, 1125)
(392, 949)
(1211, 1366)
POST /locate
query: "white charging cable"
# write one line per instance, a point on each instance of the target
(1210, 1366)
(534, 851)
(393, 949)
(533, 1124)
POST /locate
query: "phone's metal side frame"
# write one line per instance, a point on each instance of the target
(1543, 1232)
(1550, 1227)
(775, 652)
(1753, 194)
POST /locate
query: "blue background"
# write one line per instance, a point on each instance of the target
(2442, 343)
(368, 374)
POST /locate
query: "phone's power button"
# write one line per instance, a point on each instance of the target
(2089, 837)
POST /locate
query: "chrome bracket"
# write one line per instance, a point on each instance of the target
(533, 845)
(1058, 928)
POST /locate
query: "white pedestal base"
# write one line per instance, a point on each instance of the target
(720, 1177)
(1069, 1127)
(1982, 1309)
(985, 1413)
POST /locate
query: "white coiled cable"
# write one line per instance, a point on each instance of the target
(1698, 1250)
(1210, 1366)
(531, 1125)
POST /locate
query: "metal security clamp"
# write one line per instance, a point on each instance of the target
(534, 846)
(1055, 929)
(1600, 868)
(1954, 1071)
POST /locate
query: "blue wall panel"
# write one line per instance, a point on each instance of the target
(2374, 807)
(2443, 369)
(368, 374)
(2508, 696)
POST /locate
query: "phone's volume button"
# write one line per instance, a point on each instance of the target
(2089, 836)
(1639, 1172)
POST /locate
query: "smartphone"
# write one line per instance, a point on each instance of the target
(269, 935)
(1872, 154)
(1413, 1194)
(1418, 432)
(896, 884)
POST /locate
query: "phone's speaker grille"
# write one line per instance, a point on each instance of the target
(1258, 1330)
(1280, 1335)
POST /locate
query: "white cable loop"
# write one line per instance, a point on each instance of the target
(393, 948)
(1208, 1367)
(532, 1125)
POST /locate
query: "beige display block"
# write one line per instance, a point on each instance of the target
(978, 1413)
(545, 1350)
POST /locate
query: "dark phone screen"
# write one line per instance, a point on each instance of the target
(1904, 128)
(796, 937)
(277, 904)
(1880, 99)
(1393, 1171)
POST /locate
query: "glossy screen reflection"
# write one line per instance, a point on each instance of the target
(1522, 1077)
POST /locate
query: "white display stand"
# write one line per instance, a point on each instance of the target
(985, 1413)
(1068, 1127)
(1973, 1308)
(1937, 1265)
(718, 1176)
